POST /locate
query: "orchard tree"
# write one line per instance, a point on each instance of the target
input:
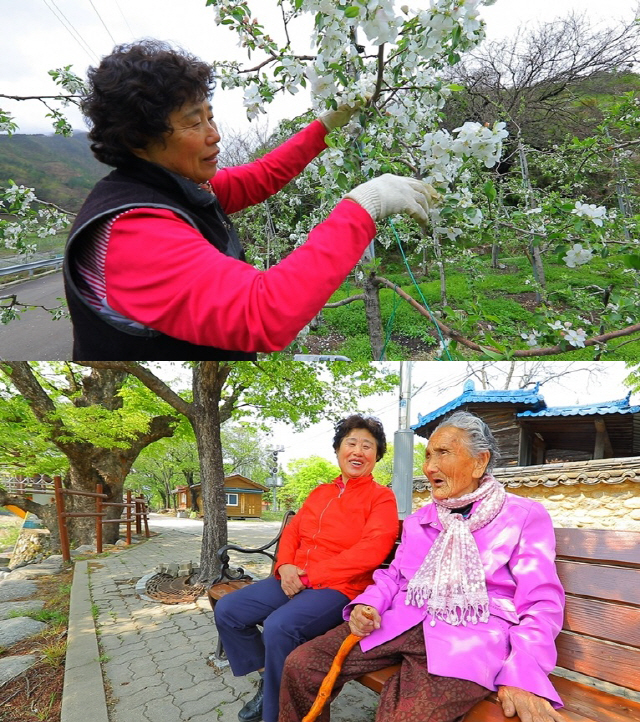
(89, 427)
(275, 388)
(302, 477)
(406, 59)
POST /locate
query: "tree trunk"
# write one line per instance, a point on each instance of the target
(374, 317)
(440, 264)
(533, 250)
(495, 252)
(208, 381)
(88, 464)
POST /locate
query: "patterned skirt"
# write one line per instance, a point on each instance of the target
(410, 695)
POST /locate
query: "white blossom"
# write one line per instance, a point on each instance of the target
(578, 256)
(597, 214)
(531, 338)
(575, 337)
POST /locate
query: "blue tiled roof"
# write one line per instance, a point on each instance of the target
(621, 406)
(471, 396)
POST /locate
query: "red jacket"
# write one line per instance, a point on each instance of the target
(340, 536)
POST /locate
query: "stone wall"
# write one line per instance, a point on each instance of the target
(589, 506)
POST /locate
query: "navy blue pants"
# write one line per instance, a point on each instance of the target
(286, 623)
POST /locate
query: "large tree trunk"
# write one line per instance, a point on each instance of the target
(208, 381)
(88, 464)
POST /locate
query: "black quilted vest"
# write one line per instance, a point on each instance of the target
(142, 184)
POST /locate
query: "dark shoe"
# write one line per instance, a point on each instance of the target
(252, 711)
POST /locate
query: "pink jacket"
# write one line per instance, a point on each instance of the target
(516, 646)
(161, 272)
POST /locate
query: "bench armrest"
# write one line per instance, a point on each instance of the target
(227, 572)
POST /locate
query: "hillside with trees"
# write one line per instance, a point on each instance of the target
(62, 169)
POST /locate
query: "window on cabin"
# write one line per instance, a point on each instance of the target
(232, 500)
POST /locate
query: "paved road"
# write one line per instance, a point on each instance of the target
(250, 533)
(36, 336)
(155, 655)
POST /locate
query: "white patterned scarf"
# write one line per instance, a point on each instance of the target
(451, 580)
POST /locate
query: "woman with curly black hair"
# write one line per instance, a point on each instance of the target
(153, 268)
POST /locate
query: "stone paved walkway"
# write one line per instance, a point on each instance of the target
(156, 654)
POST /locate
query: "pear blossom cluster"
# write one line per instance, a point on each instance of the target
(25, 220)
(597, 214)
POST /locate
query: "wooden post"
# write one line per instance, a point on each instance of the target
(99, 519)
(139, 511)
(128, 517)
(62, 522)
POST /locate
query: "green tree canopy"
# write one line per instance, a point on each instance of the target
(302, 477)
(383, 473)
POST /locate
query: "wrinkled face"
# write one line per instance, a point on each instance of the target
(451, 470)
(357, 454)
(191, 150)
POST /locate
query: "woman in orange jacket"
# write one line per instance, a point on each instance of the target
(326, 557)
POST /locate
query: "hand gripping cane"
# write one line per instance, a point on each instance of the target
(327, 683)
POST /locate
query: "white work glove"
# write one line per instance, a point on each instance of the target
(389, 194)
(339, 117)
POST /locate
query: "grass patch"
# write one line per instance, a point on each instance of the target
(484, 304)
(9, 530)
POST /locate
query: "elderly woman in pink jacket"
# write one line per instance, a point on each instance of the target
(471, 603)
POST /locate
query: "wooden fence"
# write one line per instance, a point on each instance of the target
(136, 512)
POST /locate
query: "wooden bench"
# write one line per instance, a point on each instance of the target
(600, 572)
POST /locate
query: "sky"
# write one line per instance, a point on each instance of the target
(435, 383)
(34, 40)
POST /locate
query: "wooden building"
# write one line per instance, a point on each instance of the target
(529, 432)
(244, 497)
(582, 461)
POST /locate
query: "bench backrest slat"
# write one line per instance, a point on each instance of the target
(609, 662)
(600, 572)
(603, 620)
(615, 584)
(599, 545)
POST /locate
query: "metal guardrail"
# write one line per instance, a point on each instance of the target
(30, 267)
(27, 485)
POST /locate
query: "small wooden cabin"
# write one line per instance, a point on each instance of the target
(244, 497)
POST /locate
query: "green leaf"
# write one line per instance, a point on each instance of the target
(455, 87)
(492, 354)
(631, 261)
(352, 11)
(489, 190)
(343, 182)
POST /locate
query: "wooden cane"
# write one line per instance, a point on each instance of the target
(327, 683)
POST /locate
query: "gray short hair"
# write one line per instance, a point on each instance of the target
(479, 437)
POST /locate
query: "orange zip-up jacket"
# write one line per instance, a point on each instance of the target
(340, 535)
